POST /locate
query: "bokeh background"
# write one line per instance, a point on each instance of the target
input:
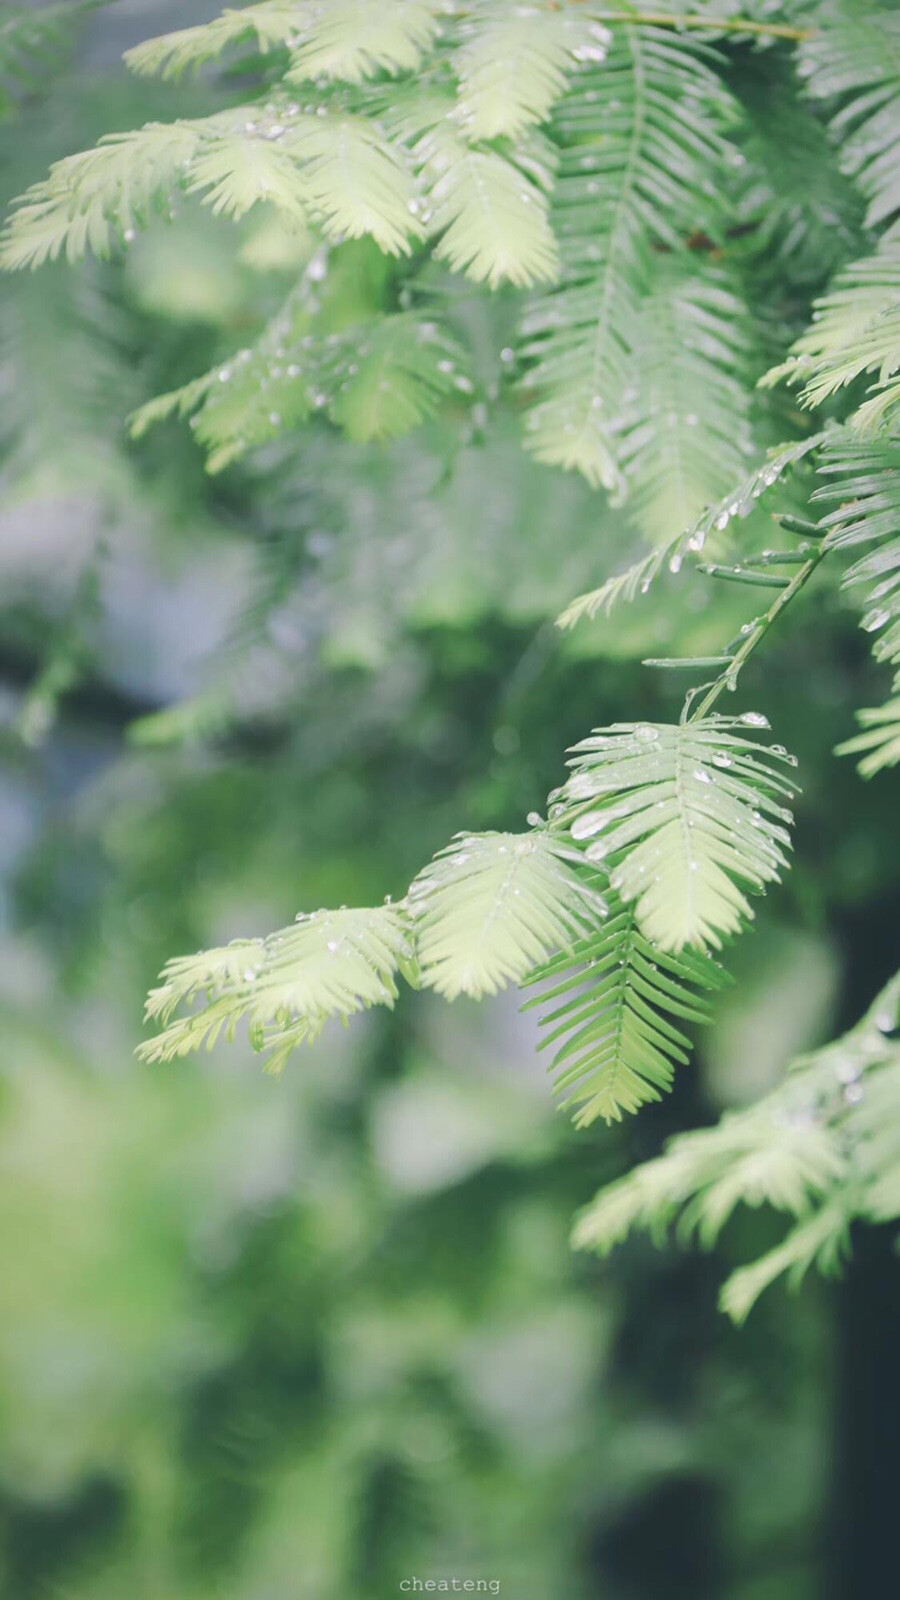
(302, 1338)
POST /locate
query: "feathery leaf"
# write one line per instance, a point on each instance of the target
(683, 815)
(286, 987)
(641, 148)
(491, 906)
(612, 997)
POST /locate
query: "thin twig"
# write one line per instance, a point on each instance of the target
(760, 630)
(667, 19)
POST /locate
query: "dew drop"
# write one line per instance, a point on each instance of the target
(754, 719)
(645, 733)
(586, 826)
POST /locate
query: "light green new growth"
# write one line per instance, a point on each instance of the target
(824, 1148)
(686, 818)
(286, 986)
(491, 906)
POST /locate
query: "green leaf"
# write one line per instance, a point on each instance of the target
(685, 437)
(713, 522)
(823, 1148)
(355, 180)
(378, 380)
(93, 200)
(879, 743)
(354, 39)
(286, 987)
(391, 375)
(612, 997)
(492, 906)
(490, 210)
(273, 23)
(232, 173)
(642, 149)
(855, 59)
(855, 332)
(684, 816)
(513, 63)
(337, 167)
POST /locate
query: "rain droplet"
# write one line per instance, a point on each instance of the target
(722, 759)
(701, 775)
(586, 826)
(645, 733)
(754, 719)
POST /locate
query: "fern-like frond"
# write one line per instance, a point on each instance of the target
(823, 1241)
(92, 200)
(354, 39)
(490, 209)
(862, 488)
(378, 380)
(685, 437)
(855, 59)
(492, 906)
(355, 180)
(266, 26)
(386, 378)
(855, 332)
(337, 167)
(683, 816)
(286, 987)
(879, 742)
(800, 214)
(232, 173)
(823, 1148)
(641, 151)
(700, 536)
(612, 998)
(513, 63)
